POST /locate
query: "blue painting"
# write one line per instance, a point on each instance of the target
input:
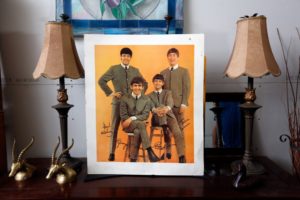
(122, 16)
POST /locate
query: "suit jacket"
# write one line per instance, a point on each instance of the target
(120, 81)
(131, 107)
(165, 99)
(179, 82)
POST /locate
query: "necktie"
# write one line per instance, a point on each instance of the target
(172, 68)
(135, 102)
(157, 96)
(126, 78)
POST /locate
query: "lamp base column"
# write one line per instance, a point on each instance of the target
(63, 109)
(249, 108)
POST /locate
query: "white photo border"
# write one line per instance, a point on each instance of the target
(128, 168)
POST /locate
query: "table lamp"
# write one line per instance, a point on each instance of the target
(252, 57)
(59, 60)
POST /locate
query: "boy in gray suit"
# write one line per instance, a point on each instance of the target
(121, 76)
(162, 104)
(177, 79)
(134, 111)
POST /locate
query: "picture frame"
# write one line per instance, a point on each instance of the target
(122, 17)
(102, 51)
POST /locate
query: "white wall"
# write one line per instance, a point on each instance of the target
(217, 20)
(28, 103)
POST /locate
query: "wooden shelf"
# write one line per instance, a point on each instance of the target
(275, 183)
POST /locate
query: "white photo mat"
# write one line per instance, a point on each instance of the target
(196, 168)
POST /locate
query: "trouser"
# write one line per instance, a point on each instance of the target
(115, 122)
(162, 122)
(138, 128)
(167, 138)
(179, 116)
(178, 136)
(134, 149)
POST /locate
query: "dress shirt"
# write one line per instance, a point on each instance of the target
(125, 66)
(174, 67)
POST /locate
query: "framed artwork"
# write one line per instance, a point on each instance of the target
(122, 16)
(149, 56)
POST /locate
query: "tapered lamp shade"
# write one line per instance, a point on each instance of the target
(252, 55)
(59, 57)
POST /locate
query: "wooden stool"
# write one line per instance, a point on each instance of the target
(160, 134)
(130, 142)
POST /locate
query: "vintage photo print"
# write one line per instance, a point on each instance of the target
(144, 104)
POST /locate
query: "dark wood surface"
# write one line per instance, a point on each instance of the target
(275, 183)
(3, 162)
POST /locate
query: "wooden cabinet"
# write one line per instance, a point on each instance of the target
(275, 183)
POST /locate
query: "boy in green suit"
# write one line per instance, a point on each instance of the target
(121, 76)
(162, 104)
(177, 79)
(134, 111)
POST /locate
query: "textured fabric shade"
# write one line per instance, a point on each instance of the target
(252, 55)
(59, 57)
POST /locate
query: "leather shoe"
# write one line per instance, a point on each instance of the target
(132, 160)
(152, 156)
(168, 155)
(111, 157)
(182, 159)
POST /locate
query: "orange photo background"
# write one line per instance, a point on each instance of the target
(150, 59)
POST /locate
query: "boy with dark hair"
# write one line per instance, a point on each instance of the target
(125, 51)
(177, 79)
(173, 50)
(161, 106)
(121, 76)
(134, 110)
